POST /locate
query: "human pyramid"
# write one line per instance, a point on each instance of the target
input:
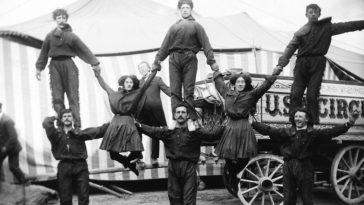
(137, 109)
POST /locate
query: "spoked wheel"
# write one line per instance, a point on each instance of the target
(261, 181)
(230, 182)
(347, 174)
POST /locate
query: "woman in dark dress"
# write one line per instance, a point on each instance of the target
(238, 143)
(122, 135)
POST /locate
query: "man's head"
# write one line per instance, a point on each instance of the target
(181, 114)
(61, 17)
(66, 116)
(301, 117)
(185, 7)
(313, 12)
(144, 68)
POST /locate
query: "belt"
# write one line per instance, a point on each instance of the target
(72, 160)
(182, 51)
(61, 58)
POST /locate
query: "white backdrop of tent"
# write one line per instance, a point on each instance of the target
(101, 25)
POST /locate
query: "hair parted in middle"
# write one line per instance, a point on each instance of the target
(135, 80)
(181, 2)
(247, 78)
(59, 12)
(183, 104)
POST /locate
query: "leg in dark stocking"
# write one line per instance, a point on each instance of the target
(124, 161)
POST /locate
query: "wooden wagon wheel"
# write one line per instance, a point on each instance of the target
(262, 180)
(347, 174)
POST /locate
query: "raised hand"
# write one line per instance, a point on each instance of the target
(157, 67)
(215, 67)
(277, 70)
(37, 74)
(97, 70)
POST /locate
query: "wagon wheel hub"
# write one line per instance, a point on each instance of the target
(266, 184)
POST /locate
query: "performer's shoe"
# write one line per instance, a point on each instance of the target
(133, 168)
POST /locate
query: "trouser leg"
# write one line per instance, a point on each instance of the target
(298, 87)
(120, 158)
(189, 79)
(317, 69)
(14, 167)
(174, 184)
(82, 180)
(289, 184)
(190, 182)
(175, 78)
(57, 86)
(64, 180)
(306, 183)
(155, 149)
(71, 87)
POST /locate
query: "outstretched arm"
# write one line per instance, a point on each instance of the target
(339, 28)
(153, 132)
(220, 85)
(209, 134)
(288, 52)
(101, 81)
(164, 87)
(325, 135)
(94, 132)
(84, 52)
(43, 58)
(259, 91)
(205, 43)
(276, 134)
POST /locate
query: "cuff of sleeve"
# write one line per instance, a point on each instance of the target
(216, 74)
(271, 79)
(211, 61)
(96, 64)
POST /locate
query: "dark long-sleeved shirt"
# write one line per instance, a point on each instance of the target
(300, 144)
(71, 145)
(314, 39)
(64, 43)
(239, 104)
(180, 143)
(186, 35)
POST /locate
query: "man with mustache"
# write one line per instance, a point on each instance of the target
(182, 42)
(299, 144)
(61, 45)
(68, 146)
(183, 151)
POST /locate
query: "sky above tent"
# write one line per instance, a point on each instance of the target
(285, 15)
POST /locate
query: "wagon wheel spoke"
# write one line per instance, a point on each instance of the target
(357, 190)
(249, 181)
(263, 199)
(279, 194)
(345, 185)
(277, 185)
(250, 172)
(267, 170)
(351, 158)
(350, 189)
(260, 169)
(277, 178)
(271, 198)
(345, 162)
(356, 157)
(248, 190)
(275, 170)
(255, 196)
(342, 178)
(341, 170)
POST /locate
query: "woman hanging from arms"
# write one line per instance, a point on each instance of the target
(122, 135)
(238, 143)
